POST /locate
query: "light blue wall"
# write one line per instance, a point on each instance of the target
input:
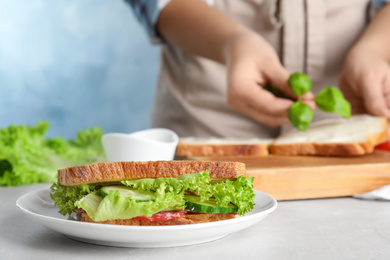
(76, 64)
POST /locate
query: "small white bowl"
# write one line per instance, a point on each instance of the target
(147, 145)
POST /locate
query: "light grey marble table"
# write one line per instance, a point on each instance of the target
(340, 228)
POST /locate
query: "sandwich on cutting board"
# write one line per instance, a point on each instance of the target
(154, 193)
(354, 136)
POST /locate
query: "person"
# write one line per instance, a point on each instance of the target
(217, 57)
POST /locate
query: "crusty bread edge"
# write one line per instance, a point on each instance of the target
(333, 149)
(111, 172)
(193, 150)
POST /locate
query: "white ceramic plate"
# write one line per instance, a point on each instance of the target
(40, 207)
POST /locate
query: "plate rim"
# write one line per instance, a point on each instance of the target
(273, 206)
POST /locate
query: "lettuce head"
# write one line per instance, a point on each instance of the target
(27, 157)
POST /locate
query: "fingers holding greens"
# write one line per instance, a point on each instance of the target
(329, 99)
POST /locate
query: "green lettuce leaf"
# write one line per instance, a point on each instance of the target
(116, 206)
(64, 197)
(27, 157)
(187, 182)
(239, 192)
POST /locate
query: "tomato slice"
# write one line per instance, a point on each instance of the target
(383, 146)
(163, 215)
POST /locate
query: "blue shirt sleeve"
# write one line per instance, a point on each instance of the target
(147, 13)
(378, 4)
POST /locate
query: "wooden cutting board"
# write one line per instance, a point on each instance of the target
(308, 177)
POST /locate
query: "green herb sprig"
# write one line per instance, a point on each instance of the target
(329, 99)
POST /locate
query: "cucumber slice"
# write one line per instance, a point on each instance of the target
(128, 192)
(194, 204)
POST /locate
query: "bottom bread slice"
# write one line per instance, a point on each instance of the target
(183, 220)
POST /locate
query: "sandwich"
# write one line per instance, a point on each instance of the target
(154, 193)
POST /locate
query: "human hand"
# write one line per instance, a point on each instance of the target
(251, 65)
(365, 82)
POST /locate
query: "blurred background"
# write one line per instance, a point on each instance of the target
(76, 64)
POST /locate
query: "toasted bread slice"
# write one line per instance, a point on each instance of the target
(183, 220)
(195, 147)
(357, 135)
(113, 172)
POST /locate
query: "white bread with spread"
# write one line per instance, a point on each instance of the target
(356, 135)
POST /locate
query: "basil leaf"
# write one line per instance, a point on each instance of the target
(300, 115)
(300, 83)
(276, 92)
(331, 100)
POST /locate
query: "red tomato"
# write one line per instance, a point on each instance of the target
(383, 146)
(163, 215)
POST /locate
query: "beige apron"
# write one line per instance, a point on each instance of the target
(310, 36)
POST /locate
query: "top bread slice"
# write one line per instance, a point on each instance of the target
(198, 147)
(357, 135)
(114, 172)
